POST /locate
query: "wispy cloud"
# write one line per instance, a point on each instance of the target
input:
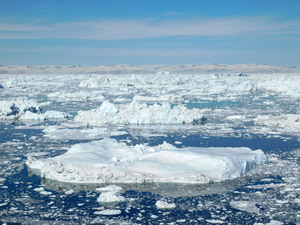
(173, 13)
(138, 29)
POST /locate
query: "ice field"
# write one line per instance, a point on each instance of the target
(150, 148)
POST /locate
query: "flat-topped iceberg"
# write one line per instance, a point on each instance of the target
(139, 113)
(109, 161)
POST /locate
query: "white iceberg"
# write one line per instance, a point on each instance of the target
(25, 109)
(51, 114)
(164, 205)
(110, 197)
(139, 113)
(10, 109)
(110, 194)
(108, 161)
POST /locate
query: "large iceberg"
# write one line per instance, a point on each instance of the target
(110, 161)
(139, 113)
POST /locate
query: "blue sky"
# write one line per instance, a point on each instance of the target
(140, 32)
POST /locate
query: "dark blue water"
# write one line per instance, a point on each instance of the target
(79, 207)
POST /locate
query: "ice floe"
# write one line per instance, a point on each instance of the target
(109, 161)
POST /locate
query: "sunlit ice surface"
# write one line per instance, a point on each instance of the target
(44, 116)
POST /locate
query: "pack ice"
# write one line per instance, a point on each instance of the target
(110, 161)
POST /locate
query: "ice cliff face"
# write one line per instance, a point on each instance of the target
(108, 161)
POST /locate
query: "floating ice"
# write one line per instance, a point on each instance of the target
(110, 188)
(110, 194)
(76, 96)
(108, 212)
(51, 114)
(164, 205)
(110, 197)
(17, 107)
(287, 122)
(139, 113)
(247, 206)
(25, 109)
(108, 161)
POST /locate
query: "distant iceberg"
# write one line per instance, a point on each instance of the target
(109, 161)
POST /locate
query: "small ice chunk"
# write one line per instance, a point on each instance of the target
(164, 205)
(39, 189)
(247, 206)
(108, 212)
(69, 192)
(213, 221)
(110, 197)
(110, 188)
(45, 192)
(3, 204)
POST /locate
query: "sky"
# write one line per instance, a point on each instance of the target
(149, 32)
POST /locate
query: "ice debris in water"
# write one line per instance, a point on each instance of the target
(109, 161)
(140, 113)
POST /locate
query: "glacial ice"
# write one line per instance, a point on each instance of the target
(139, 113)
(110, 161)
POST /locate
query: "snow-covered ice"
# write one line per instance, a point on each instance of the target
(109, 161)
